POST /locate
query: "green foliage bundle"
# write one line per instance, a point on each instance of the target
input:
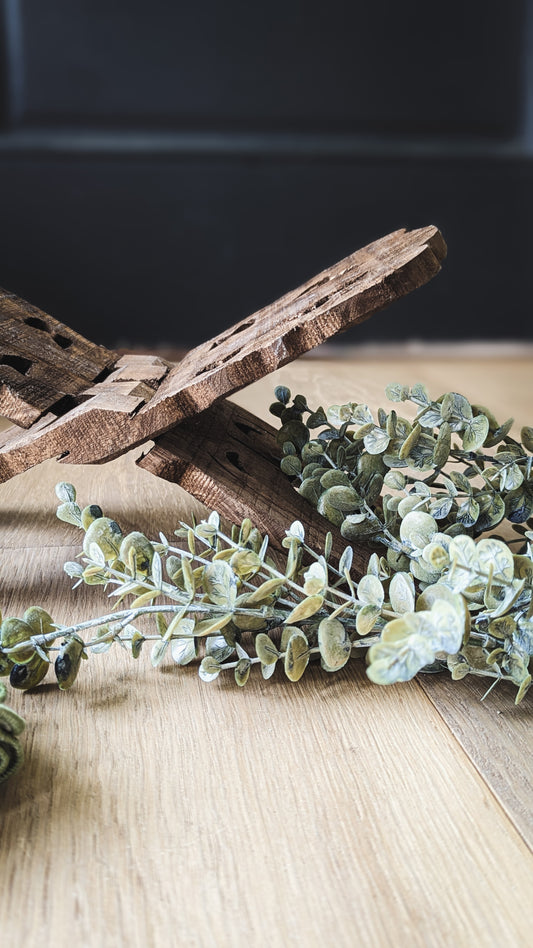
(221, 598)
(11, 752)
(360, 472)
(443, 595)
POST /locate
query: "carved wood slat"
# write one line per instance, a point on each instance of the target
(114, 418)
(42, 361)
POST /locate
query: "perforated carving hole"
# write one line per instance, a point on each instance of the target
(234, 332)
(234, 459)
(63, 405)
(62, 340)
(217, 363)
(16, 362)
(36, 323)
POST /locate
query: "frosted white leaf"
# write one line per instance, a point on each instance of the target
(220, 584)
(217, 647)
(396, 392)
(345, 562)
(498, 554)
(315, 579)
(158, 650)
(334, 643)
(395, 480)
(418, 529)
(96, 554)
(157, 570)
(475, 432)
(376, 441)
(370, 590)
(401, 592)
(448, 625)
(183, 651)
(209, 669)
(297, 530)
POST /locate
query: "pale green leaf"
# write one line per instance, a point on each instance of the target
(376, 441)
(305, 609)
(220, 584)
(366, 618)
(209, 669)
(265, 649)
(418, 529)
(475, 431)
(402, 593)
(158, 651)
(315, 579)
(296, 656)
(370, 590)
(183, 651)
(334, 643)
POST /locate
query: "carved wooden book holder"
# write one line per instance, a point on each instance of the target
(71, 399)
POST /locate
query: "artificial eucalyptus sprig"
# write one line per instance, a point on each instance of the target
(222, 595)
(442, 463)
(11, 752)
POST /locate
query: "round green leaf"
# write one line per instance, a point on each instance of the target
(418, 529)
(334, 643)
(296, 656)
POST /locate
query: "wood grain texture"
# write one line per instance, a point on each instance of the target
(154, 809)
(228, 459)
(113, 419)
(42, 361)
(496, 735)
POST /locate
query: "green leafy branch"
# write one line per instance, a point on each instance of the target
(363, 472)
(221, 599)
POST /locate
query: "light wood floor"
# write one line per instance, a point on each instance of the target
(154, 809)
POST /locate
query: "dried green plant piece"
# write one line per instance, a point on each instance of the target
(30, 674)
(296, 656)
(68, 660)
(265, 649)
(439, 598)
(11, 726)
(13, 632)
(89, 514)
(135, 550)
(334, 644)
(106, 535)
(242, 671)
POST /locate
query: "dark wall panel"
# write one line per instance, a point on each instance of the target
(174, 250)
(298, 64)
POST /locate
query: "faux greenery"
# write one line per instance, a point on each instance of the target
(442, 596)
(11, 752)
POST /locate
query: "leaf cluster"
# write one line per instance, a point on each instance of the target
(11, 752)
(364, 472)
(222, 600)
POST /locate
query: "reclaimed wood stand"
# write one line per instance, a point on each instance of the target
(76, 401)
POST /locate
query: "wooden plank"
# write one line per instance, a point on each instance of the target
(340, 297)
(496, 735)
(42, 360)
(229, 460)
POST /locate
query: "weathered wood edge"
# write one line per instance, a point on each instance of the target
(106, 425)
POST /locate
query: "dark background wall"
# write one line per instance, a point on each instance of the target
(168, 168)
